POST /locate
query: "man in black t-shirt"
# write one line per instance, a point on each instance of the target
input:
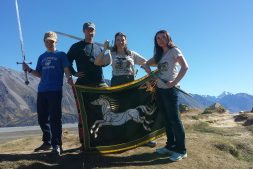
(89, 58)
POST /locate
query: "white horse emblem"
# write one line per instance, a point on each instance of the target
(117, 119)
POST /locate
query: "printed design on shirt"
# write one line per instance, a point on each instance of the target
(91, 52)
(163, 67)
(47, 63)
(122, 65)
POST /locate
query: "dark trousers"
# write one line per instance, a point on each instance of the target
(118, 80)
(167, 100)
(49, 116)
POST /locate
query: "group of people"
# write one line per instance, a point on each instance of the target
(90, 59)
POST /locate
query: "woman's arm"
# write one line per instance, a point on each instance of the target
(103, 59)
(184, 67)
(151, 62)
(140, 60)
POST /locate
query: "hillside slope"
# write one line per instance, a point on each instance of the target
(18, 101)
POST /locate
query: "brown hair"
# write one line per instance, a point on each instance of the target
(114, 48)
(158, 51)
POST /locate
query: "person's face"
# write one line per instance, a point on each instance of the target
(162, 40)
(121, 41)
(50, 44)
(89, 32)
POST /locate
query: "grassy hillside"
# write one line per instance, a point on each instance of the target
(214, 141)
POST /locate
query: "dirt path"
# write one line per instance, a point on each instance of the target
(14, 133)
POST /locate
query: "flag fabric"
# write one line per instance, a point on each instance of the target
(118, 118)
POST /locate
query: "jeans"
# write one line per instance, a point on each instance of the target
(49, 116)
(167, 100)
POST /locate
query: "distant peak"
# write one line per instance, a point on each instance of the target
(224, 94)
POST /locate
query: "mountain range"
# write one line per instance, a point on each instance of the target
(18, 100)
(232, 102)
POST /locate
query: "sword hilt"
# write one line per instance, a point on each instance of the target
(26, 77)
(24, 62)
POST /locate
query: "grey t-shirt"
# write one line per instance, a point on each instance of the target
(124, 65)
(168, 67)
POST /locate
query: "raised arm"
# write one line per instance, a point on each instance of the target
(102, 58)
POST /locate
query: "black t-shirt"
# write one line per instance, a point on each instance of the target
(84, 55)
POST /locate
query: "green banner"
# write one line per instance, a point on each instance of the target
(118, 118)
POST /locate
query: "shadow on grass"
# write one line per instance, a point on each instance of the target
(82, 160)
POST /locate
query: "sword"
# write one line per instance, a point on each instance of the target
(21, 42)
(177, 88)
(75, 37)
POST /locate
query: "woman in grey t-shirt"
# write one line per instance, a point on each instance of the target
(124, 61)
(167, 57)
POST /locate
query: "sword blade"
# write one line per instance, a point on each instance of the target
(20, 31)
(75, 37)
(21, 39)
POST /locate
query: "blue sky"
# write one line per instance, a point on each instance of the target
(216, 36)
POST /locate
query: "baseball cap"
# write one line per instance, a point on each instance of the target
(50, 36)
(89, 25)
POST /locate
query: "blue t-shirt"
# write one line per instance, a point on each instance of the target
(51, 67)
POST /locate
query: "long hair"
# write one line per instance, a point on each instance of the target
(158, 51)
(114, 48)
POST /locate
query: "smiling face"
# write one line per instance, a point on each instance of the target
(50, 45)
(162, 40)
(120, 41)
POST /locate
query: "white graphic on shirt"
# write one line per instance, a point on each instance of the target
(123, 65)
(48, 63)
(163, 67)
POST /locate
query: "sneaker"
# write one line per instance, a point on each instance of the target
(164, 150)
(57, 150)
(44, 147)
(151, 144)
(177, 156)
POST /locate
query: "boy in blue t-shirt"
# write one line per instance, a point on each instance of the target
(50, 68)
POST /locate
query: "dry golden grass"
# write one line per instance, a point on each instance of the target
(210, 146)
